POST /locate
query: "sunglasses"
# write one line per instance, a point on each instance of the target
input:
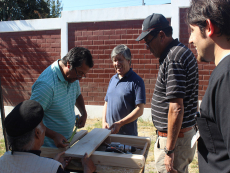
(82, 75)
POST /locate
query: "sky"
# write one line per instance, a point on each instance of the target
(70, 5)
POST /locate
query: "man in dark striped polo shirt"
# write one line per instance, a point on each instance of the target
(174, 101)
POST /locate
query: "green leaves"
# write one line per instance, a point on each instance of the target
(9, 10)
(29, 9)
(55, 8)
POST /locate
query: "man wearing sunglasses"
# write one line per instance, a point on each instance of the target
(58, 91)
(174, 101)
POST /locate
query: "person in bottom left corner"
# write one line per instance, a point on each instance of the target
(25, 133)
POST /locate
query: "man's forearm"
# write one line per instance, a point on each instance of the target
(175, 118)
(50, 133)
(137, 112)
(58, 139)
(80, 104)
(104, 113)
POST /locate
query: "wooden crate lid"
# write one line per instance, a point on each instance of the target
(89, 143)
(52, 152)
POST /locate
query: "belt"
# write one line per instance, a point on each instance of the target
(180, 135)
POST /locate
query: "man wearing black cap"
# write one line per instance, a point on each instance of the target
(174, 101)
(25, 133)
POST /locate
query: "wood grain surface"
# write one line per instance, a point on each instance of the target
(51, 152)
(88, 144)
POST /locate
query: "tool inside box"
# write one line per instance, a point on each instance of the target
(119, 142)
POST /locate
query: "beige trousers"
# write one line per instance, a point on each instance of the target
(183, 153)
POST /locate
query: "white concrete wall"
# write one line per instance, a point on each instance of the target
(96, 15)
(93, 112)
(96, 112)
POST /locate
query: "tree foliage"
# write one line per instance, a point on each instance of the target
(55, 8)
(9, 10)
(29, 9)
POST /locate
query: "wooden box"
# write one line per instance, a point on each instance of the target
(93, 143)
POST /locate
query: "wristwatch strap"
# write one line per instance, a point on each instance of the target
(168, 151)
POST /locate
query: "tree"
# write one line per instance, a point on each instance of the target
(29, 9)
(55, 8)
(34, 9)
(9, 10)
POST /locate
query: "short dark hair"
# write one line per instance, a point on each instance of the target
(215, 10)
(168, 32)
(76, 56)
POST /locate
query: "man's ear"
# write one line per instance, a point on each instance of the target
(210, 28)
(37, 133)
(162, 36)
(129, 62)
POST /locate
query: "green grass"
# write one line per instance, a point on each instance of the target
(194, 165)
(89, 126)
(88, 129)
(2, 147)
(140, 120)
(98, 124)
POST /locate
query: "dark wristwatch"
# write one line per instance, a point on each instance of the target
(168, 151)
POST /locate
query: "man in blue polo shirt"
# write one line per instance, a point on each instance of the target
(125, 97)
(57, 90)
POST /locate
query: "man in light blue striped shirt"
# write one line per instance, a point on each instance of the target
(57, 89)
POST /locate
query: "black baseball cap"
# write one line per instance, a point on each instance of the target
(23, 118)
(154, 22)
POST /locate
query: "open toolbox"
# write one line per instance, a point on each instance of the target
(109, 152)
